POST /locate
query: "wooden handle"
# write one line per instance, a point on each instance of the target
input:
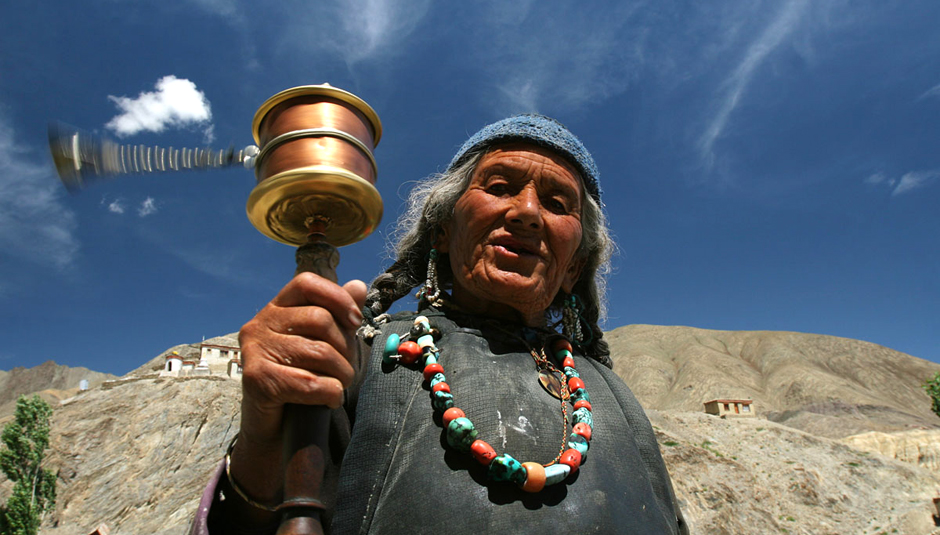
(306, 428)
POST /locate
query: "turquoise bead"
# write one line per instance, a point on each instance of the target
(438, 378)
(577, 442)
(441, 401)
(562, 354)
(425, 341)
(430, 358)
(571, 372)
(461, 434)
(556, 473)
(505, 468)
(391, 348)
(583, 415)
(580, 394)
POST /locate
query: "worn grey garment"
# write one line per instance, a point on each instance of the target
(399, 476)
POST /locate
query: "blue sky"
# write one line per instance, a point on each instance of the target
(766, 165)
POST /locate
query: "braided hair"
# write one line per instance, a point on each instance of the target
(430, 206)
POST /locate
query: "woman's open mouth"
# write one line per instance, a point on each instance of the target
(514, 248)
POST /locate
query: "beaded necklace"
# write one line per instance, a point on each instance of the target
(460, 432)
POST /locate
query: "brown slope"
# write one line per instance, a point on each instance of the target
(823, 384)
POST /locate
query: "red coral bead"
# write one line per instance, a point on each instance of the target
(582, 404)
(440, 387)
(561, 343)
(482, 452)
(409, 352)
(568, 362)
(575, 383)
(452, 414)
(572, 458)
(431, 369)
(582, 429)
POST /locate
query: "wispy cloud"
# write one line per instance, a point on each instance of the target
(34, 223)
(915, 180)
(786, 20)
(176, 103)
(226, 266)
(907, 183)
(357, 30)
(880, 178)
(554, 59)
(148, 207)
(932, 92)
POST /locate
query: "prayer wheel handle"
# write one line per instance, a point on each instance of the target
(316, 176)
(306, 428)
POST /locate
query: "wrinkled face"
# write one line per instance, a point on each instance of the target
(515, 233)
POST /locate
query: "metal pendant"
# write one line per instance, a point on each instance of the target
(550, 383)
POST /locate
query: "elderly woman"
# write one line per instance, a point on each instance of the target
(475, 415)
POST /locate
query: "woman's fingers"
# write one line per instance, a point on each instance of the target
(300, 347)
(289, 384)
(309, 289)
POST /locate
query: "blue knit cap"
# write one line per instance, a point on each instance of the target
(539, 130)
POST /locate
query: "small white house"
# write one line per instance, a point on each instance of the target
(174, 362)
(730, 407)
(235, 368)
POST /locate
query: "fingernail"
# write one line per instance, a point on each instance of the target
(355, 318)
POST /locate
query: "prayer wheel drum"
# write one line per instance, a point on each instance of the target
(315, 171)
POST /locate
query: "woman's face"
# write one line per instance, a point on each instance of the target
(515, 232)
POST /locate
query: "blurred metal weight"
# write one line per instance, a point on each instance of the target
(315, 168)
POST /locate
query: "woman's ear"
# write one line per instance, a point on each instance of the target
(441, 238)
(572, 275)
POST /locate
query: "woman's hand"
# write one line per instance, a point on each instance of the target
(300, 348)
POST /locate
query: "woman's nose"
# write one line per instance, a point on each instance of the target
(526, 208)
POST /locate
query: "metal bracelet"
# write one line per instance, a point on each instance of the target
(231, 482)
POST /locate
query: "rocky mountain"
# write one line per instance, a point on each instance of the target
(135, 453)
(50, 380)
(829, 386)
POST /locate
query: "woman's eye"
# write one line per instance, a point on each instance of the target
(497, 188)
(557, 206)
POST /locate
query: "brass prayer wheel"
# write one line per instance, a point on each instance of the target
(316, 170)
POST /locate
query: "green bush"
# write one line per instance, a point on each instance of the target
(932, 386)
(25, 440)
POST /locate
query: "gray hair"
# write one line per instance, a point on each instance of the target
(430, 206)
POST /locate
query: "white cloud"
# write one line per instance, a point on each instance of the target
(35, 225)
(148, 207)
(915, 180)
(176, 103)
(116, 206)
(783, 25)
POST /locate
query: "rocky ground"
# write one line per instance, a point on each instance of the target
(136, 454)
(755, 476)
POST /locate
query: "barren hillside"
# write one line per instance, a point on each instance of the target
(830, 386)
